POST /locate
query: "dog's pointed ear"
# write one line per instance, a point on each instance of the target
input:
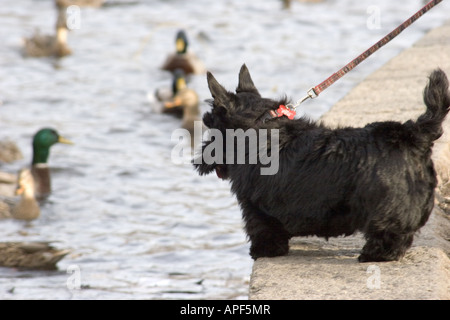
(219, 93)
(245, 81)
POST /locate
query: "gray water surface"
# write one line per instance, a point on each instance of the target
(139, 225)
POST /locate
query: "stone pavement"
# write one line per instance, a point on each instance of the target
(317, 269)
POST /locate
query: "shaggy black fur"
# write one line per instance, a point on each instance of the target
(378, 179)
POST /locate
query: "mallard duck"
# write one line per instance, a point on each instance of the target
(50, 45)
(42, 141)
(30, 255)
(182, 59)
(9, 151)
(163, 95)
(26, 208)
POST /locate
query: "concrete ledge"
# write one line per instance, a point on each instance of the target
(317, 269)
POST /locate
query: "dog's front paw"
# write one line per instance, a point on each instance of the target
(269, 249)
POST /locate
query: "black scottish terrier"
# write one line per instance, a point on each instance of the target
(378, 180)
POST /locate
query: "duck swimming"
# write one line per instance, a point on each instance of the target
(42, 141)
(182, 58)
(50, 45)
(38, 255)
(164, 95)
(26, 208)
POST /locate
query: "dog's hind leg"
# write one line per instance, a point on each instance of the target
(385, 246)
(267, 235)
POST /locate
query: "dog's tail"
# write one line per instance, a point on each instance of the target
(437, 99)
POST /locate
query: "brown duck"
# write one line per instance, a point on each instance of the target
(182, 58)
(30, 255)
(165, 96)
(50, 45)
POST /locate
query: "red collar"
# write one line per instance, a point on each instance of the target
(281, 111)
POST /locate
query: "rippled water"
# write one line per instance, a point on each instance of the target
(140, 226)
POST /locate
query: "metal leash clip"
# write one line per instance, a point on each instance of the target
(311, 94)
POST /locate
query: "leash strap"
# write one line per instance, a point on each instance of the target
(315, 91)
